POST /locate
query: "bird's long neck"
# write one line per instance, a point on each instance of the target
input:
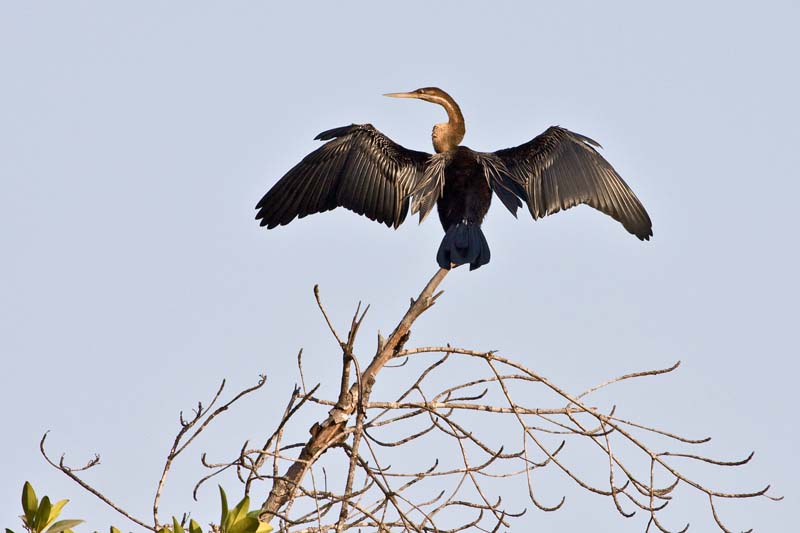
(448, 135)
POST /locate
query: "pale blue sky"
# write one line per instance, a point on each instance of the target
(137, 137)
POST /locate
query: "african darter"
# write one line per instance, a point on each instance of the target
(363, 170)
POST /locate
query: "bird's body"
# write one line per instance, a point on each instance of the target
(363, 170)
(466, 196)
(464, 202)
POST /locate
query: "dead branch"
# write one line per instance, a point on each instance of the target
(202, 415)
(416, 415)
(449, 461)
(330, 430)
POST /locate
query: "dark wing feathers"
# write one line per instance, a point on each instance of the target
(430, 185)
(503, 183)
(561, 169)
(358, 168)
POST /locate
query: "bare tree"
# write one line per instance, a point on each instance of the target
(466, 425)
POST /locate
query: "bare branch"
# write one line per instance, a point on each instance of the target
(70, 472)
(448, 488)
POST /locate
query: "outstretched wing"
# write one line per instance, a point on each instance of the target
(562, 169)
(360, 169)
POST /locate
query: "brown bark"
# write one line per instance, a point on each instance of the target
(331, 430)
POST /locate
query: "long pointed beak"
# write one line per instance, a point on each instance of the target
(402, 95)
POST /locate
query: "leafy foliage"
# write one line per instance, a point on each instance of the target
(239, 519)
(39, 517)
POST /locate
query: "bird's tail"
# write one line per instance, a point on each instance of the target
(463, 243)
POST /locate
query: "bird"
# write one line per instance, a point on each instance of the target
(363, 170)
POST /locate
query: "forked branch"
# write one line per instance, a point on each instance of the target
(421, 458)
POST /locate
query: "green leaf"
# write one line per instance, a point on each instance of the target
(224, 499)
(176, 526)
(29, 503)
(164, 529)
(68, 531)
(194, 527)
(114, 530)
(237, 513)
(246, 524)
(263, 527)
(63, 525)
(9, 531)
(42, 515)
(55, 510)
